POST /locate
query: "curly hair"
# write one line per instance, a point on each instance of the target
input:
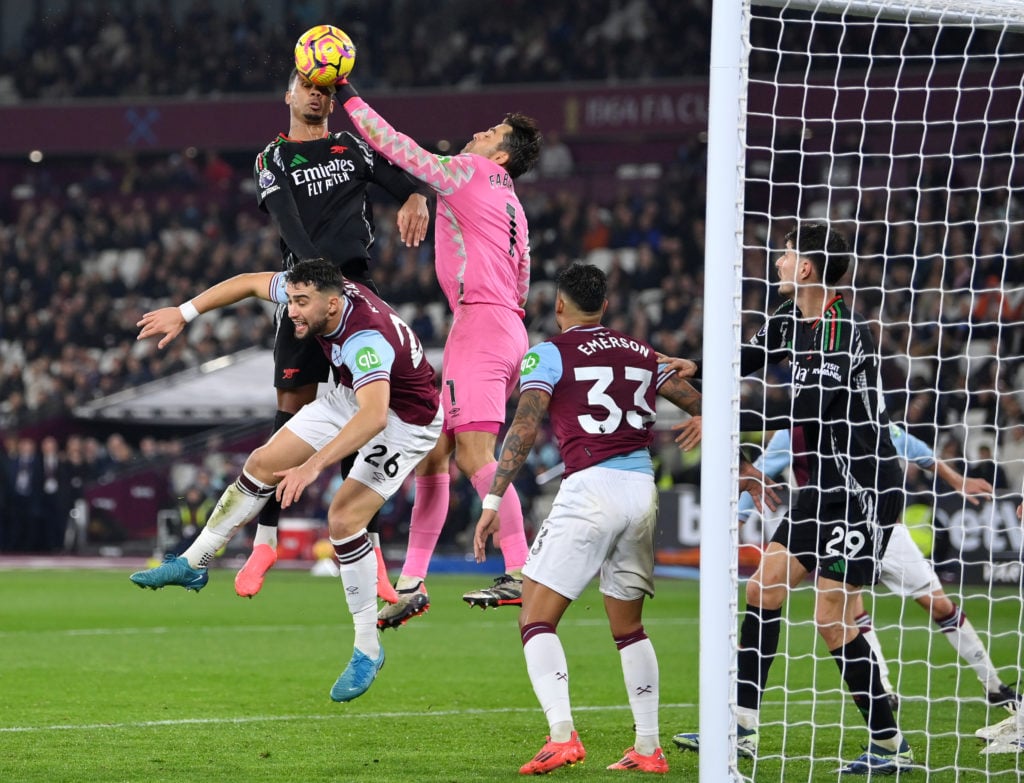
(585, 284)
(319, 273)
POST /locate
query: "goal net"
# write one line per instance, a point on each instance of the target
(898, 124)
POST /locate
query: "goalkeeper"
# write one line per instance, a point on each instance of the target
(482, 260)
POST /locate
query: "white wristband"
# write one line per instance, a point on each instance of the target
(188, 311)
(492, 502)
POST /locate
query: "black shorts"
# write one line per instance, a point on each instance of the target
(835, 541)
(300, 363)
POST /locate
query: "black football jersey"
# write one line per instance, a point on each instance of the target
(325, 181)
(836, 400)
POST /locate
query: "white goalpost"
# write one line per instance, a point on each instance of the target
(899, 123)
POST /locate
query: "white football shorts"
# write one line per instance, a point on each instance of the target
(384, 462)
(905, 569)
(602, 521)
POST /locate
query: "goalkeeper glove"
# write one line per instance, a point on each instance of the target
(345, 90)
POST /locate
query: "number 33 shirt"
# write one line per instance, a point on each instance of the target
(603, 385)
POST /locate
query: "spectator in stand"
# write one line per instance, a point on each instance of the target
(217, 172)
(55, 502)
(423, 325)
(596, 230)
(673, 312)
(80, 472)
(149, 448)
(25, 478)
(7, 448)
(1011, 443)
(194, 510)
(624, 229)
(555, 161)
(984, 467)
(649, 225)
(564, 238)
(649, 270)
(921, 414)
(119, 454)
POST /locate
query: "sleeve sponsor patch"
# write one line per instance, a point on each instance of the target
(529, 364)
(367, 359)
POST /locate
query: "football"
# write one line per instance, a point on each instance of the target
(324, 54)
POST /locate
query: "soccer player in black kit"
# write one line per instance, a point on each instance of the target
(313, 184)
(842, 519)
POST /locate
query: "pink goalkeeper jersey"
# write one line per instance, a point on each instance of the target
(481, 241)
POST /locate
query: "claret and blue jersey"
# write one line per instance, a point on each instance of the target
(603, 386)
(372, 343)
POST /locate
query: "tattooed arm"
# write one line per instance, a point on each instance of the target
(681, 394)
(522, 433)
(533, 405)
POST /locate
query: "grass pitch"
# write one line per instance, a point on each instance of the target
(104, 682)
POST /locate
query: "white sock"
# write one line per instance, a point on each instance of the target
(549, 675)
(367, 637)
(358, 566)
(964, 639)
(207, 544)
(868, 632)
(748, 718)
(265, 534)
(407, 582)
(893, 743)
(239, 503)
(640, 673)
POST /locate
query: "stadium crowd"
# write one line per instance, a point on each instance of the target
(79, 270)
(120, 49)
(87, 247)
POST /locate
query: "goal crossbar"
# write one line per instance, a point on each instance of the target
(984, 14)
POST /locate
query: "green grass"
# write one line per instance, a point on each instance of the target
(101, 681)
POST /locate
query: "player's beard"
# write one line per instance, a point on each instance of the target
(312, 329)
